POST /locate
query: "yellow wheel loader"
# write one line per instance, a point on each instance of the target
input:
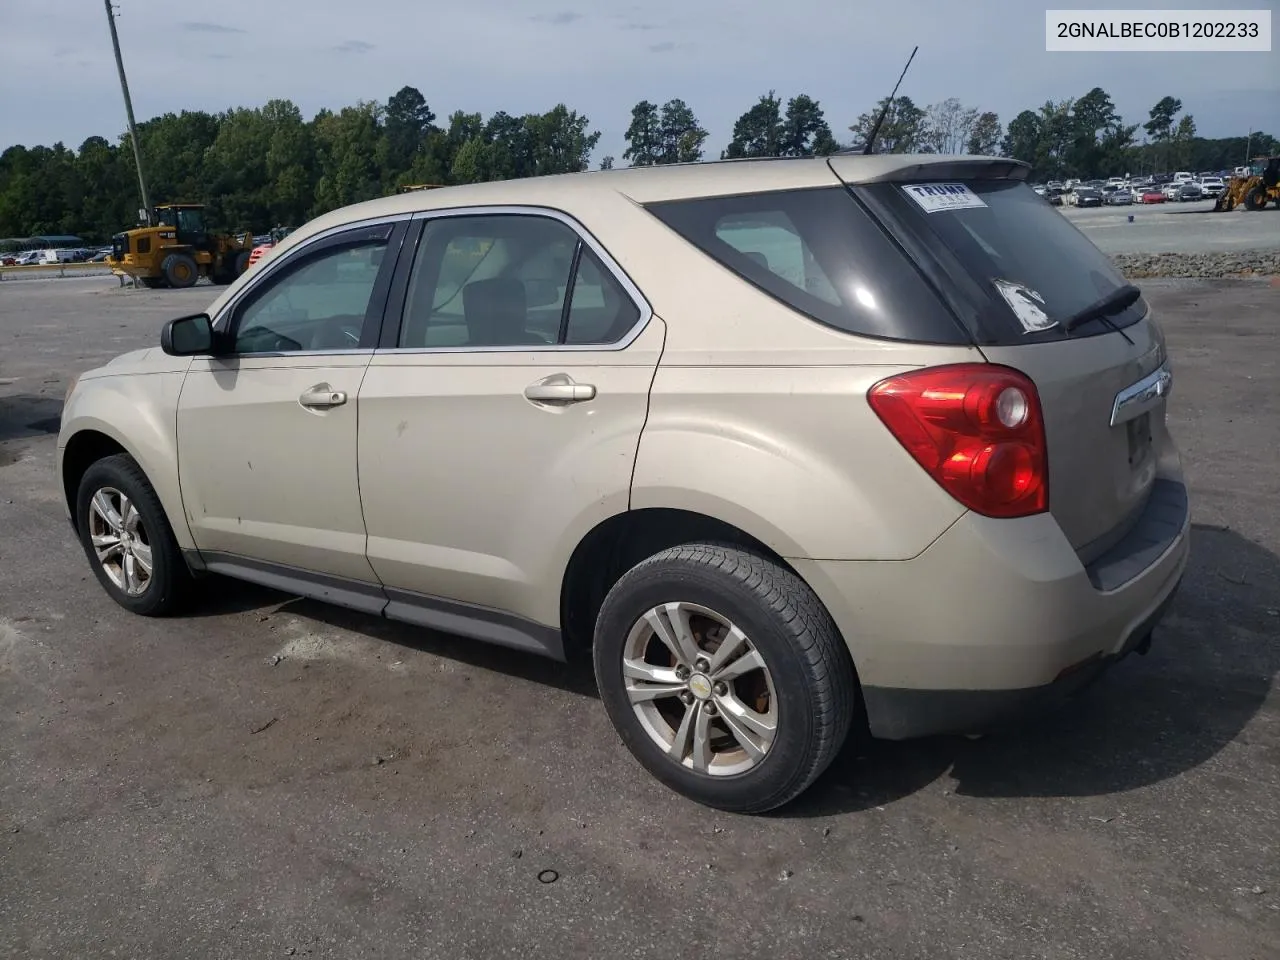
(1254, 191)
(178, 250)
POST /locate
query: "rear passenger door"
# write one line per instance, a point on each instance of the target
(499, 419)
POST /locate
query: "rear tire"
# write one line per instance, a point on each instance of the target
(123, 530)
(747, 732)
(180, 270)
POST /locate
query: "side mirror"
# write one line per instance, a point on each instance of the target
(188, 336)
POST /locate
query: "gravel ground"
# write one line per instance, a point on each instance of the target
(1203, 266)
(272, 777)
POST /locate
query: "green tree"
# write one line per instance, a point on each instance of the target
(1160, 124)
(346, 151)
(759, 132)
(1091, 116)
(511, 147)
(805, 132)
(236, 169)
(407, 124)
(984, 135)
(680, 137)
(560, 141)
(644, 135)
(1022, 139)
(1182, 140)
(901, 130)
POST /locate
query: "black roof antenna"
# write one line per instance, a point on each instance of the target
(871, 138)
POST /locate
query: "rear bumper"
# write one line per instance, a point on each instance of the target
(999, 616)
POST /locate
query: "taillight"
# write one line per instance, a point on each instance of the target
(977, 429)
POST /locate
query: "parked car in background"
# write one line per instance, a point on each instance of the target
(1189, 191)
(1119, 197)
(1140, 187)
(1152, 194)
(1088, 197)
(775, 485)
(1212, 186)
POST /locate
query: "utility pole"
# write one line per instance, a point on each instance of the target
(128, 109)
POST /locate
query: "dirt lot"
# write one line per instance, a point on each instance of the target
(168, 789)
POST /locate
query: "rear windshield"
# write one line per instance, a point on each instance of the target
(820, 253)
(1022, 265)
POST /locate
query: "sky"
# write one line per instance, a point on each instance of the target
(58, 79)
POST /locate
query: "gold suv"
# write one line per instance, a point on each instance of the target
(791, 447)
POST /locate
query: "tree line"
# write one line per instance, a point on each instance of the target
(266, 166)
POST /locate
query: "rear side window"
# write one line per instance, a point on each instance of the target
(1023, 263)
(818, 252)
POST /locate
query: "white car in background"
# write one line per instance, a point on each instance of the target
(1212, 186)
(1116, 196)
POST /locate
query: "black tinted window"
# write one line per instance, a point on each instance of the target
(1025, 264)
(818, 252)
(600, 310)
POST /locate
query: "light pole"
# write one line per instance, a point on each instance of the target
(128, 109)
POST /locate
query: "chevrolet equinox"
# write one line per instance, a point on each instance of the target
(792, 448)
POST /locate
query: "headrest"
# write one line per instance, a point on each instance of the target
(496, 311)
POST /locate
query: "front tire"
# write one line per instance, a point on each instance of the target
(1256, 199)
(127, 539)
(724, 676)
(180, 271)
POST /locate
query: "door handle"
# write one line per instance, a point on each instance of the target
(322, 397)
(559, 388)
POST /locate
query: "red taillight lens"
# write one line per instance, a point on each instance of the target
(977, 429)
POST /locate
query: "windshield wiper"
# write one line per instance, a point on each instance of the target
(1119, 299)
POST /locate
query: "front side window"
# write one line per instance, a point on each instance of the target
(508, 280)
(321, 304)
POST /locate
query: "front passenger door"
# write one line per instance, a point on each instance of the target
(267, 432)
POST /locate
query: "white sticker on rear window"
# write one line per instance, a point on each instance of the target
(936, 197)
(1025, 304)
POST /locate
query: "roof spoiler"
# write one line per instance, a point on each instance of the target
(866, 170)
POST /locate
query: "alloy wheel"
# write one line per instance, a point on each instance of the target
(700, 689)
(120, 540)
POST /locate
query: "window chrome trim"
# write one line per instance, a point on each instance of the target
(254, 282)
(611, 265)
(281, 354)
(1136, 399)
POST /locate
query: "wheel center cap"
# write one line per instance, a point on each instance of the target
(700, 686)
